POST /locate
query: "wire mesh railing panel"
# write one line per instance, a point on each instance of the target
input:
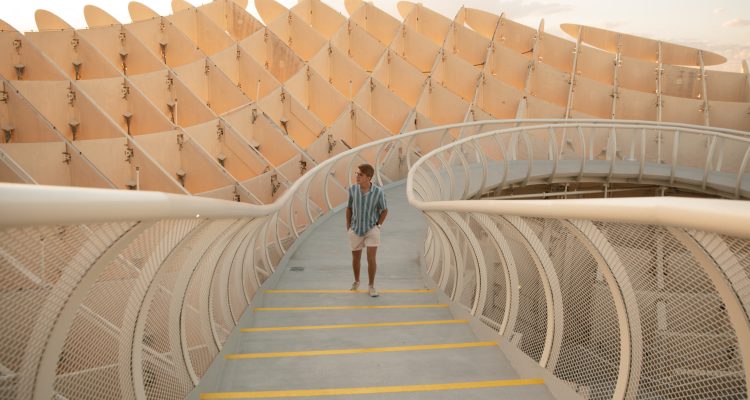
(690, 348)
(40, 267)
(740, 253)
(163, 349)
(195, 321)
(95, 361)
(530, 328)
(498, 279)
(590, 349)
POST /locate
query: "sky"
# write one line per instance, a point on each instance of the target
(721, 26)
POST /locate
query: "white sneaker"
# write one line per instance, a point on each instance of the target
(373, 292)
(355, 286)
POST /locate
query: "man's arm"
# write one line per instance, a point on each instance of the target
(348, 218)
(383, 214)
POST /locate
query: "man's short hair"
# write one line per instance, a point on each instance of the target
(367, 169)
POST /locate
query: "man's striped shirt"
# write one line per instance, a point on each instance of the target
(366, 207)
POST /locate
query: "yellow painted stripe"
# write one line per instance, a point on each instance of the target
(350, 291)
(371, 390)
(349, 307)
(341, 326)
(360, 350)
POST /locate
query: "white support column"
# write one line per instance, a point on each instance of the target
(449, 252)
(704, 90)
(522, 106)
(616, 76)
(659, 73)
(573, 73)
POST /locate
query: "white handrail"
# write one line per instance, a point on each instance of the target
(716, 215)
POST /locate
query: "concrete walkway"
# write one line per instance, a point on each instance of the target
(309, 336)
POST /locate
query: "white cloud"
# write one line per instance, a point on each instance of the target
(737, 23)
(521, 8)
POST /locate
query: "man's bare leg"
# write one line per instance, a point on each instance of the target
(372, 266)
(356, 257)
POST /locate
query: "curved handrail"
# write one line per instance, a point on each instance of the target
(722, 216)
(26, 205)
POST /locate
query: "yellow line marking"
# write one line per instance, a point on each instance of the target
(350, 291)
(371, 390)
(341, 326)
(349, 307)
(360, 350)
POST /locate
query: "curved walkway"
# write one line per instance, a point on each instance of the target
(308, 336)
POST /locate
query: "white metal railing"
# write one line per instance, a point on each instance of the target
(121, 294)
(620, 298)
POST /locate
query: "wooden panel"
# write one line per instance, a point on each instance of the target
(109, 43)
(269, 10)
(509, 66)
(730, 115)
(27, 123)
(232, 18)
(179, 48)
(302, 126)
(550, 84)
(401, 77)
(245, 72)
(51, 99)
(201, 30)
(416, 49)
(467, 44)
(317, 95)
(637, 75)
(140, 12)
(686, 111)
(360, 46)
(66, 47)
(384, 106)
(299, 36)
(239, 160)
(216, 90)
(592, 98)
(43, 161)
(381, 25)
(481, 21)
(498, 98)
(108, 155)
(516, 36)
(727, 86)
(636, 105)
(556, 52)
(457, 75)
(428, 23)
(261, 134)
(324, 19)
(47, 21)
(108, 95)
(96, 17)
(539, 108)
(596, 64)
(441, 106)
(340, 70)
(35, 65)
(642, 48)
(681, 82)
(276, 57)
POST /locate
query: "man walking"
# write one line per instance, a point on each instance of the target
(365, 214)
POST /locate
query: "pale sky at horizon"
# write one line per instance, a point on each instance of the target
(721, 26)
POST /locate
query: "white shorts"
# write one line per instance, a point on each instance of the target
(371, 239)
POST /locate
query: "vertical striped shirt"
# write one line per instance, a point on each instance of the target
(366, 207)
